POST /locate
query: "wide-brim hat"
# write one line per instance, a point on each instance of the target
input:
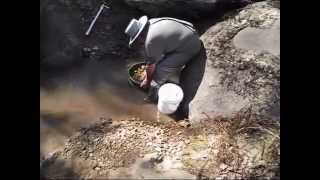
(135, 28)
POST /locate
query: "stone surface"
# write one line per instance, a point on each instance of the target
(243, 65)
(260, 39)
(186, 9)
(63, 24)
(214, 99)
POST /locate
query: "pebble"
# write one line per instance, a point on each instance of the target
(185, 153)
(223, 166)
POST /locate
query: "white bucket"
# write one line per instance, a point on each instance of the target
(170, 96)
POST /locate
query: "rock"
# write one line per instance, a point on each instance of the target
(184, 124)
(232, 45)
(223, 166)
(178, 8)
(260, 39)
(95, 48)
(60, 37)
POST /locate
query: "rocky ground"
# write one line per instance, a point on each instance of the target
(134, 148)
(241, 83)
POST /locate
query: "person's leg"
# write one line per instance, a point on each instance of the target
(166, 71)
(191, 77)
(153, 92)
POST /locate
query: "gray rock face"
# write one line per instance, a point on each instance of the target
(60, 37)
(242, 67)
(190, 8)
(212, 99)
(259, 39)
(63, 24)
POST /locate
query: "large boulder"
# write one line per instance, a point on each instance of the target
(243, 65)
(184, 9)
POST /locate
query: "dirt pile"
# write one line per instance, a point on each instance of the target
(134, 148)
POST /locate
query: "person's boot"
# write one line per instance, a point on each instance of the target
(152, 96)
(148, 100)
(181, 117)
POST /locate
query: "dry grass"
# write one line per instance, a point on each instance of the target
(234, 158)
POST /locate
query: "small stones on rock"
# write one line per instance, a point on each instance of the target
(204, 157)
(223, 166)
(184, 124)
(86, 52)
(153, 138)
(95, 48)
(185, 153)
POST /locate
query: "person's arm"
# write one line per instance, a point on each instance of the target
(154, 50)
(148, 76)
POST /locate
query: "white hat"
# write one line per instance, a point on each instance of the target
(135, 28)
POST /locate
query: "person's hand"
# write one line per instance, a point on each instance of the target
(144, 83)
(143, 76)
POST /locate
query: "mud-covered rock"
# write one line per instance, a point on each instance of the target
(186, 9)
(62, 31)
(243, 68)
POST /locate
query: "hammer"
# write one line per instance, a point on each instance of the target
(96, 17)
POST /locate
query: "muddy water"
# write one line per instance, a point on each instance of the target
(82, 94)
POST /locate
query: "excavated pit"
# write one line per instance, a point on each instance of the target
(83, 83)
